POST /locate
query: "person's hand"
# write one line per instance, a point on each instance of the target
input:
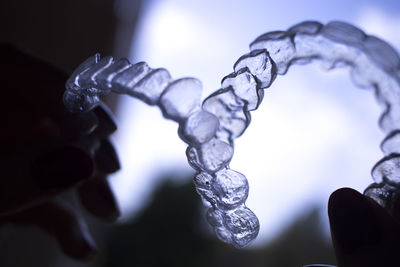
(45, 151)
(363, 233)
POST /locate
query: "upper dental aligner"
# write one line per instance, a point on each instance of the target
(209, 128)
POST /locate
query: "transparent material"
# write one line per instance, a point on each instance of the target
(209, 128)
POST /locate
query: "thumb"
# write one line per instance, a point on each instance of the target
(363, 233)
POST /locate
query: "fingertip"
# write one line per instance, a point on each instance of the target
(353, 221)
(70, 230)
(341, 197)
(79, 124)
(81, 245)
(84, 249)
(98, 199)
(106, 158)
(107, 124)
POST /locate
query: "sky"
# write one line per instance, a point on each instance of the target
(314, 132)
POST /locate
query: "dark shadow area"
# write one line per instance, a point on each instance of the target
(68, 31)
(171, 232)
(62, 32)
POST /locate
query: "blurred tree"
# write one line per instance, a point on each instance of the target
(170, 232)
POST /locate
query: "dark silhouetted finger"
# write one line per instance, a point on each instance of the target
(97, 198)
(60, 220)
(106, 157)
(79, 124)
(107, 123)
(363, 233)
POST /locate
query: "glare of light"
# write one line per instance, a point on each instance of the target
(148, 145)
(172, 30)
(176, 38)
(168, 32)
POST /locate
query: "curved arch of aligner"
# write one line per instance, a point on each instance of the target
(209, 131)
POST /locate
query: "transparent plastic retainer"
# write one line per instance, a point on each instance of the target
(210, 128)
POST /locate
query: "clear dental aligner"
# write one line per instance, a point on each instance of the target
(211, 127)
(223, 190)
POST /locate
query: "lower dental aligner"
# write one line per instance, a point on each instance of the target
(209, 128)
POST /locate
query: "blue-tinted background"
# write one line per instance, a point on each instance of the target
(314, 132)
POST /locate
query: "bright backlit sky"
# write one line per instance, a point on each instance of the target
(314, 132)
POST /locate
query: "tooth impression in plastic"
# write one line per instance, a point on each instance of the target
(209, 128)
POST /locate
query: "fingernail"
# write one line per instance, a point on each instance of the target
(80, 124)
(89, 245)
(106, 157)
(96, 196)
(106, 124)
(81, 246)
(352, 219)
(62, 167)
